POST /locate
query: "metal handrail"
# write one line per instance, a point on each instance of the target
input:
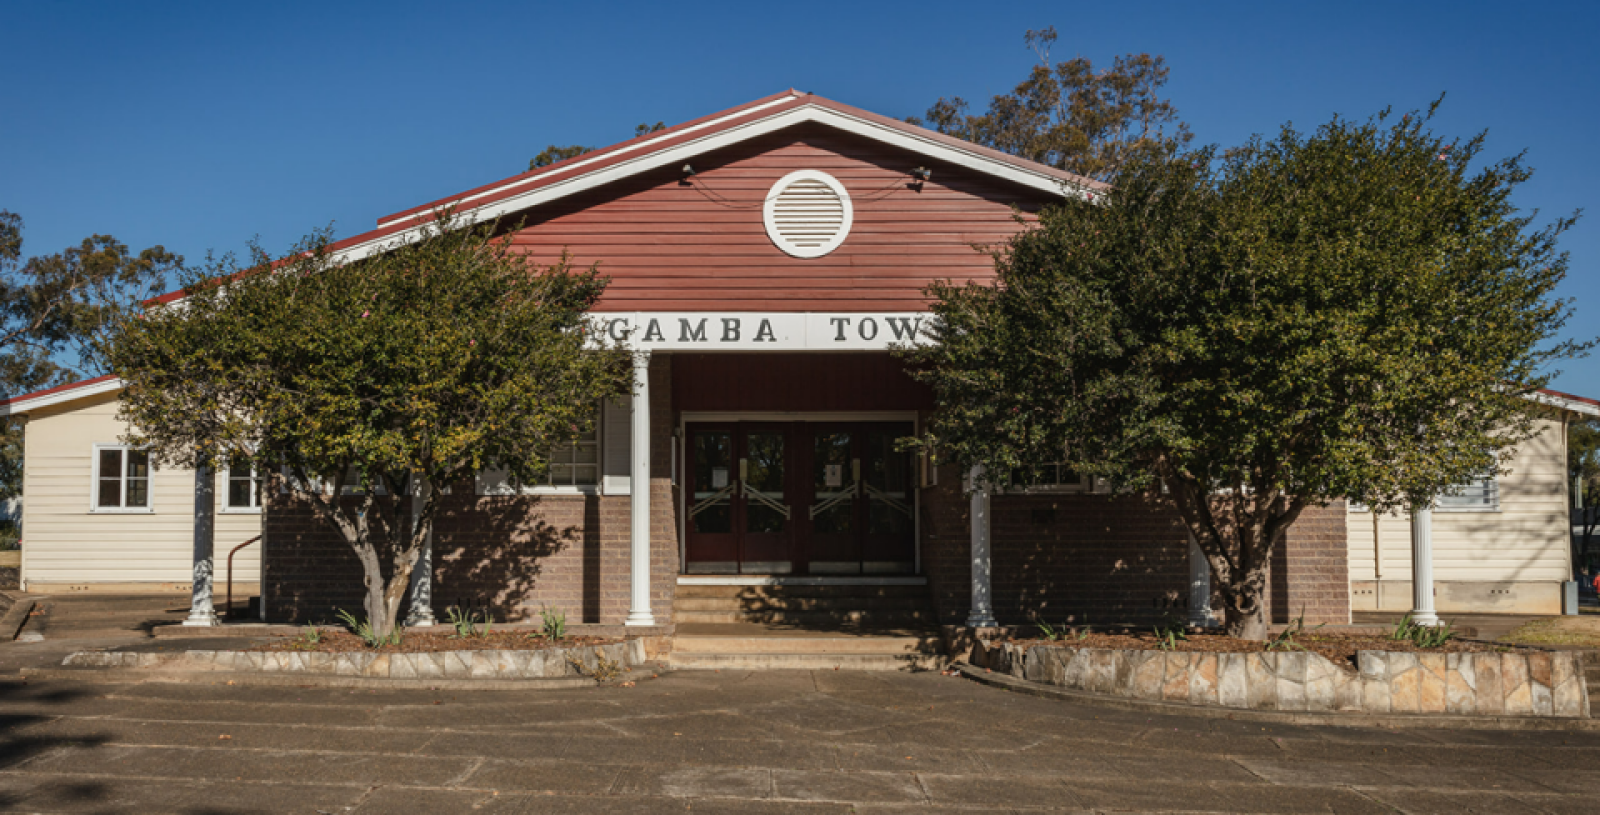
(228, 610)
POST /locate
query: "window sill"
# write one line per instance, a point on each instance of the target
(531, 491)
(122, 511)
(1465, 510)
(240, 511)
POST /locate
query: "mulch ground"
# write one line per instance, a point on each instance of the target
(10, 577)
(413, 643)
(1340, 649)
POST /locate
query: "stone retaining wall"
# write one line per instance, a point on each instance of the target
(1471, 684)
(550, 663)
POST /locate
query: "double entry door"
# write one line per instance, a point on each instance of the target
(798, 498)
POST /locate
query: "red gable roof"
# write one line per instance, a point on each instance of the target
(721, 124)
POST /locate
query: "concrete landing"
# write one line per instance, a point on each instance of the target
(756, 646)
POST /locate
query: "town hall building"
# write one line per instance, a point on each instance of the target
(763, 263)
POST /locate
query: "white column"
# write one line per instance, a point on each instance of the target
(982, 612)
(201, 610)
(639, 492)
(422, 573)
(1422, 566)
(1199, 586)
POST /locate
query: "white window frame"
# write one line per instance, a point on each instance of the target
(1084, 484)
(94, 484)
(1493, 505)
(257, 492)
(504, 487)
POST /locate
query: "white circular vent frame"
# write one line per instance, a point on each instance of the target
(807, 214)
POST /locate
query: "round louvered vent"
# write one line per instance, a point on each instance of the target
(807, 213)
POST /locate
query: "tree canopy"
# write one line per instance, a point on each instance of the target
(410, 369)
(1355, 313)
(1070, 116)
(54, 305)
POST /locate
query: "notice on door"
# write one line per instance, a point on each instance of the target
(719, 477)
(833, 475)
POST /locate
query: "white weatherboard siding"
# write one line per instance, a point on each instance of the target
(1509, 560)
(66, 544)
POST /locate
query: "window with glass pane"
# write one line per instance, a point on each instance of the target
(764, 475)
(888, 479)
(1482, 494)
(713, 460)
(577, 464)
(123, 479)
(244, 487)
(1053, 477)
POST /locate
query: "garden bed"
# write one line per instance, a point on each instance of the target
(414, 642)
(1477, 680)
(480, 659)
(1338, 648)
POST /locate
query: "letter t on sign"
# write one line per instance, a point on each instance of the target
(839, 323)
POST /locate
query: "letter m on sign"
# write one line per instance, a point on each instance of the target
(686, 333)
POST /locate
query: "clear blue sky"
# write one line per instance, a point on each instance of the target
(201, 125)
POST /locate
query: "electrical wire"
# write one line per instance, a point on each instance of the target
(723, 201)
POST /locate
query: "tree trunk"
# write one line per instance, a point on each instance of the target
(1245, 607)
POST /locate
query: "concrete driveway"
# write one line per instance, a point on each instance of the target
(734, 742)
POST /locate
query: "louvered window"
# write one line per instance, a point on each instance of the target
(807, 214)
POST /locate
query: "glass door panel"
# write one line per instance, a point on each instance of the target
(890, 540)
(711, 546)
(763, 473)
(834, 546)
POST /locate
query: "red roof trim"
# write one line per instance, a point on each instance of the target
(547, 173)
(1574, 398)
(84, 383)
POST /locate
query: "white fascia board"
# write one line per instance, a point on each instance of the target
(584, 162)
(1564, 403)
(932, 148)
(27, 405)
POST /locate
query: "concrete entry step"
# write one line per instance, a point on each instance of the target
(836, 617)
(807, 645)
(772, 647)
(826, 591)
(806, 662)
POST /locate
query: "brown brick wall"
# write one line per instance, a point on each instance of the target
(1107, 558)
(513, 555)
(1310, 571)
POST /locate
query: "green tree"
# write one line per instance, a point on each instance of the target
(1355, 313)
(554, 153)
(408, 370)
(52, 305)
(1072, 117)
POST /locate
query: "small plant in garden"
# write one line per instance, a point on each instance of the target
(1422, 636)
(466, 624)
(555, 624)
(1168, 633)
(308, 639)
(369, 637)
(1050, 632)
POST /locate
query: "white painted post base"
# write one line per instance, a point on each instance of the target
(202, 612)
(981, 614)
(1199, 587)
(422, 573)
(639, 496)
(1422, 612)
